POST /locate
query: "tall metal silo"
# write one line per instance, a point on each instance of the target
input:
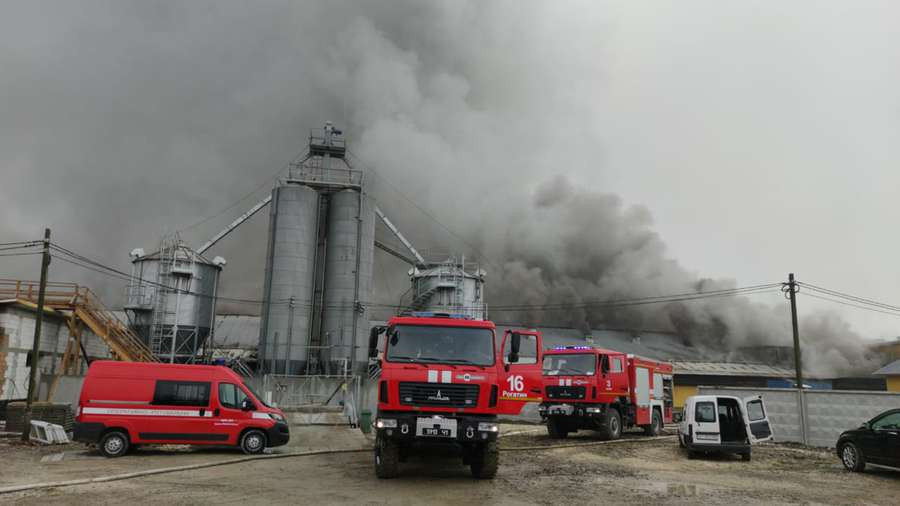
(348, 279)
(171, 300)
(289, 279)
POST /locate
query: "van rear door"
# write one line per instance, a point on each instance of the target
(757, 420)
(706, 421)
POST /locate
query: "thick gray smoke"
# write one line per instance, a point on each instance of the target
(569, 247)
(123, 121)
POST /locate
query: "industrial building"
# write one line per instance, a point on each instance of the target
(891, 375)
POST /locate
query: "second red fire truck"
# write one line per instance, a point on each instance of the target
(604, 390)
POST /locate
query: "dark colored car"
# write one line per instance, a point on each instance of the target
(875, 442)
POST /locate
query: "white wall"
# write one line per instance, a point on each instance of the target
(17, 327)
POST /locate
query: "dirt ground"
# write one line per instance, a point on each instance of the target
(632, 469)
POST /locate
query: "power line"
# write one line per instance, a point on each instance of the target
(87, 263)
(20, 246)
(645, 300)
(268, 181)
(852, 305)
(20, 242)
(421, 209)
(847, 296)
(21, 254)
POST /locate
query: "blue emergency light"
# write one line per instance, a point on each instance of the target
(434, 314)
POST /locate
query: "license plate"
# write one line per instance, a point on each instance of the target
(436, 432)
(436, 427)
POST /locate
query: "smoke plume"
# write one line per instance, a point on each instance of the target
(123, 121)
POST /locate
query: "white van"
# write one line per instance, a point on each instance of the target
(723, 424)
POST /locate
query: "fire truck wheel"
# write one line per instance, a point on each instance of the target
(655, 427)
(113, 444)
(555, 430)
(387, 458)
(485, 461)
(612, 425)
(253, 442)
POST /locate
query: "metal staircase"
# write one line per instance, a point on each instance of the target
(82, 305)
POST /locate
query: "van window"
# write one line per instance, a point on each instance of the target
(181, 393)
(755, 411)
(616, 364)
(231, 396)
(705, 412)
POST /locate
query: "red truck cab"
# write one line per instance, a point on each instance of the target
(604, 390)
(124, 404)
(442, 381)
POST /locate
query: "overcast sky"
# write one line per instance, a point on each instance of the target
(761, 137)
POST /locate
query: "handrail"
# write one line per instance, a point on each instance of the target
(124, 343)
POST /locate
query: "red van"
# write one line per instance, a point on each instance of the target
(124, 404)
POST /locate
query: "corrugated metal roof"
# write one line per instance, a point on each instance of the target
(891, 369)
(731, 369)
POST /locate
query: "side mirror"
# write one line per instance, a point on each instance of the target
(373, 340)
(604, 364)
(247, 405)
(515, 343)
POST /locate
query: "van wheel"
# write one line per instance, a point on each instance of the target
(691, 455)
(612, 425)
(852, 458)
(486, 461)
(114, 444)
(387, 457)
(555, 430)
(253, 442)
(745, 456)
(655, 427)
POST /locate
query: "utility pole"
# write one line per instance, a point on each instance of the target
(36, 345)
(791, 290)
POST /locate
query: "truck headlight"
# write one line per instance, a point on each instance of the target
(386, 423)
(593, 410)
(276, 417)
(488, 427)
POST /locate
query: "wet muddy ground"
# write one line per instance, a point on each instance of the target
(584, 472)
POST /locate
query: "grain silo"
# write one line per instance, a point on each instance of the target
(171, 298)
(348, 275)
(319, 265)
(290, 269)
(449, 284)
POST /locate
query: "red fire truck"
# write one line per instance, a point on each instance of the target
(604, 390)
(442, 381)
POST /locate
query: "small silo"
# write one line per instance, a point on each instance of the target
(348, 277)
(171, 300)
(289, 279)
(449, 285)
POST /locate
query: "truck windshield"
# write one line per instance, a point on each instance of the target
(570, 364)
(448, 345)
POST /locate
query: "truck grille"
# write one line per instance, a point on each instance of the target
(439, 394)
(557, 392)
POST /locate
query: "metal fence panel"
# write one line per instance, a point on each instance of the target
(290, 391)
(829, 412)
